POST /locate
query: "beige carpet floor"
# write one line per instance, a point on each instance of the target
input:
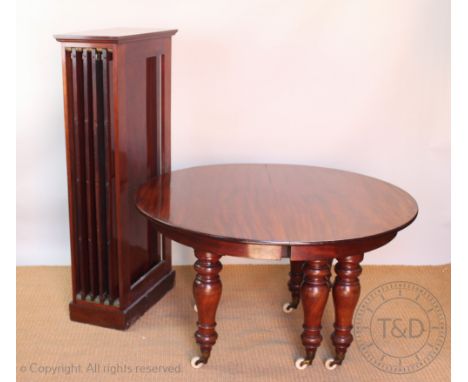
(257, 341)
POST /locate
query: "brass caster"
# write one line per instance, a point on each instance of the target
(301, 363)
(330, 364)
(288, 308)
(197, 362)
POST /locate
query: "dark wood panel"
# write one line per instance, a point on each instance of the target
(138, 133)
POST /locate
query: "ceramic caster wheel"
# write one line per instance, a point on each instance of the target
(195, 308)
(330, 364)
(287, 308)
(300, 364)
(195, 364)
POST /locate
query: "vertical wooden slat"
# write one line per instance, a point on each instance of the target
(89, 167)
(110, 248)
(153, 153)
(159, 128)
(68, 111)
(113, 212)
(164, 245)
(99, 171)
(79, 175)
(151, 110)
(165, 117)
(166, 134)
(159, 132)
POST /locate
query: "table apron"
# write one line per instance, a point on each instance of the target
(276, 251)
(339, 249)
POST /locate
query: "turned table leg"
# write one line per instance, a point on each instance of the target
(346, 292)
(207, 293)
(330, 283)
(314, 295)
(296, 276)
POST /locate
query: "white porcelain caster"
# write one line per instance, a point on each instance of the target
(300, 364)
(287, 308)
(195, 308)
(330, 365)
(194, 363)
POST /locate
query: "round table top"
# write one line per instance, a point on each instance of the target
(275, 204)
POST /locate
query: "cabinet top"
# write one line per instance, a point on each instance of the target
(115, 35)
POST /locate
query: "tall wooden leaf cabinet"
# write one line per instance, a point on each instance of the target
(117, 96)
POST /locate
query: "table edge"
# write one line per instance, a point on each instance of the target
(188, 232)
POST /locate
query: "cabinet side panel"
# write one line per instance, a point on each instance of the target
(142, 136)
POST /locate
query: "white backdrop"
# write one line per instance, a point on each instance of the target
(357, 85)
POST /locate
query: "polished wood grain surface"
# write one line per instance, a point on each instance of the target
(276, 204)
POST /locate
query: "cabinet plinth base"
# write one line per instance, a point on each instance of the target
(114, 318)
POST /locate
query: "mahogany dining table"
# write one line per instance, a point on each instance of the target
(311, 215)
